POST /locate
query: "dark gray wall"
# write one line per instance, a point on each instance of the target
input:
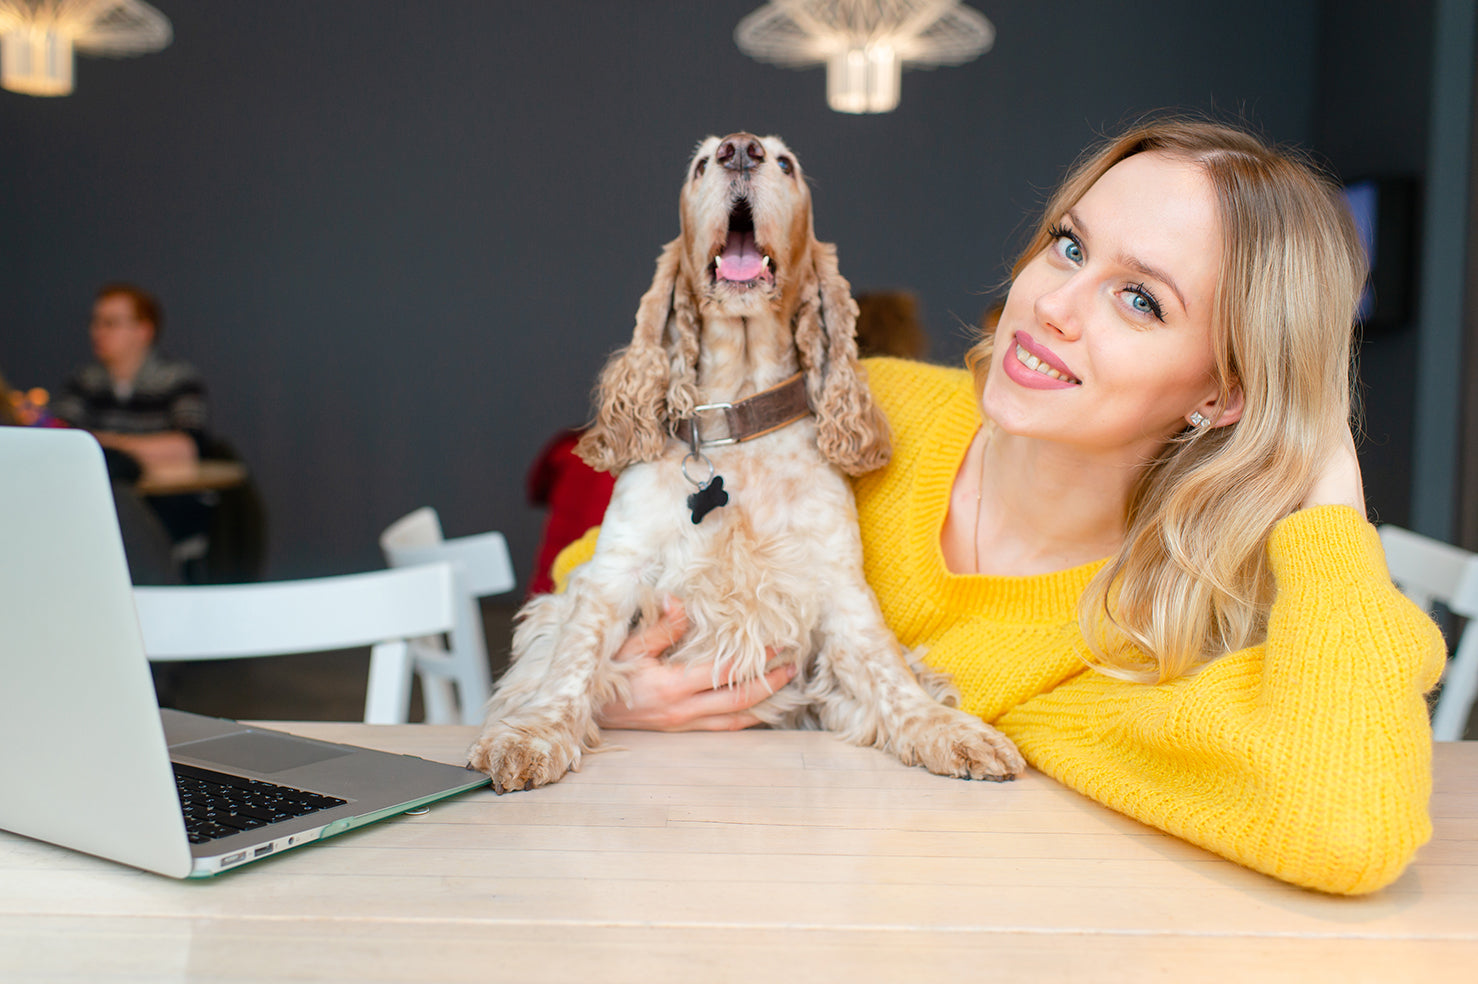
(400, 238)
(1371, 120)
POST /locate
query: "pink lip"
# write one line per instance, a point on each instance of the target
(1024, 376)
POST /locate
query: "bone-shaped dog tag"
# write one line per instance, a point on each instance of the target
(710, 496)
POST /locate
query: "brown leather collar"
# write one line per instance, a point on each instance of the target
(756, 416)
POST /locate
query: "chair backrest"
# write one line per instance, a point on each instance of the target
(421, 528)
(481, 566)
(1429, 571)
(379, 609)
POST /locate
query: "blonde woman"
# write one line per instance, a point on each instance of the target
(1135, 533)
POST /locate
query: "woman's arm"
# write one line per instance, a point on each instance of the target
(1307, 757)
(1338, 482)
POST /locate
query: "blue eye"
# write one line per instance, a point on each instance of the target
(1067, 244)
(1144, 302)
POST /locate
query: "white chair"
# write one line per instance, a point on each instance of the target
(380, 609)
(480, 567)
(1429, 571)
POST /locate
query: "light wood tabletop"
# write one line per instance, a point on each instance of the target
(743, 857)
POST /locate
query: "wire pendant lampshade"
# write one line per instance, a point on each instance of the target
(865, 44)
(37, 38)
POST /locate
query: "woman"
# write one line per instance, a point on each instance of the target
(1135, 535)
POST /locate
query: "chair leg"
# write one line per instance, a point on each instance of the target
(388, 697)
(470, 663)
(440, 701)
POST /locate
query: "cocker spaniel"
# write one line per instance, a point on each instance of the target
(731, 418)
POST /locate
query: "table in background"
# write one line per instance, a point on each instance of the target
(744, 857)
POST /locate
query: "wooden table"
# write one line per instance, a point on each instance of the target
(206, 475)
(744, 857)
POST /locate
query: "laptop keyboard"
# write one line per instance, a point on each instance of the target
(217, 805)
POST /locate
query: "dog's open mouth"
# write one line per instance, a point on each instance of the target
(742, 261)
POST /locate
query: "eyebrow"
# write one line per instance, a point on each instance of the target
(1135, 263)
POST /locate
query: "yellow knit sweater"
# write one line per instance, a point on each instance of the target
(1307, 757)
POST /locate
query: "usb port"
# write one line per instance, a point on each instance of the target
(264, 849)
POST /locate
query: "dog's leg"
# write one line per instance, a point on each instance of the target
(542, 715)
(873, 699)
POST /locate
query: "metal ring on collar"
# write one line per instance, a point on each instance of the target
(691, 456)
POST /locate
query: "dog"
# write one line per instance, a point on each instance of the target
(731, 419)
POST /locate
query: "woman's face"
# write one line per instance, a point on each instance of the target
(1105, 338)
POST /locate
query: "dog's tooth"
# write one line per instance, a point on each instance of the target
(765, 262)
(718, 263)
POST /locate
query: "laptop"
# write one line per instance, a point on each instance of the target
(87, 758)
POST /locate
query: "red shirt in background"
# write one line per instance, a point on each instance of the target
(576, 494)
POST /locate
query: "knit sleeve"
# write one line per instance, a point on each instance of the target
(185, 395)
(1307, 757)
(573, 556)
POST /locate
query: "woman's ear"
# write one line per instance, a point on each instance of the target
(1217, 413)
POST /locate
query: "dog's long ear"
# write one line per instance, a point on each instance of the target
(850, 430)
(637, 385)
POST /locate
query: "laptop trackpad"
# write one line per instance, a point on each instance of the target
(256, 751)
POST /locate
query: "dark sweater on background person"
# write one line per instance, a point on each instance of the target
(166, 395)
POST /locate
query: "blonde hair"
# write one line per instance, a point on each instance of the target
(1191, 581)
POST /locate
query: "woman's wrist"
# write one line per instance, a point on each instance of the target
(1338, 481)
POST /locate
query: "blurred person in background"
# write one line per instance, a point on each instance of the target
(148, 410)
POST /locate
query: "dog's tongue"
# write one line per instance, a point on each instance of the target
(742, 260)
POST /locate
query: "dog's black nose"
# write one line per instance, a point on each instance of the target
(740, 152)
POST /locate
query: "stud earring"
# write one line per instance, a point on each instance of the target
(1197, 420)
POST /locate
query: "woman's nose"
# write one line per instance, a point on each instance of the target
(1060, 308)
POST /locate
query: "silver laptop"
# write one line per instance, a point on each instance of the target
(85, 753)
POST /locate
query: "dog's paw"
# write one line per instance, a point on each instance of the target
(519, 760)
(961, 745)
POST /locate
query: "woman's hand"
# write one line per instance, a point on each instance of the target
(1337, 481)
(672, 697)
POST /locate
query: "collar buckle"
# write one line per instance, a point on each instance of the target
(697, 440)
(753, 417)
